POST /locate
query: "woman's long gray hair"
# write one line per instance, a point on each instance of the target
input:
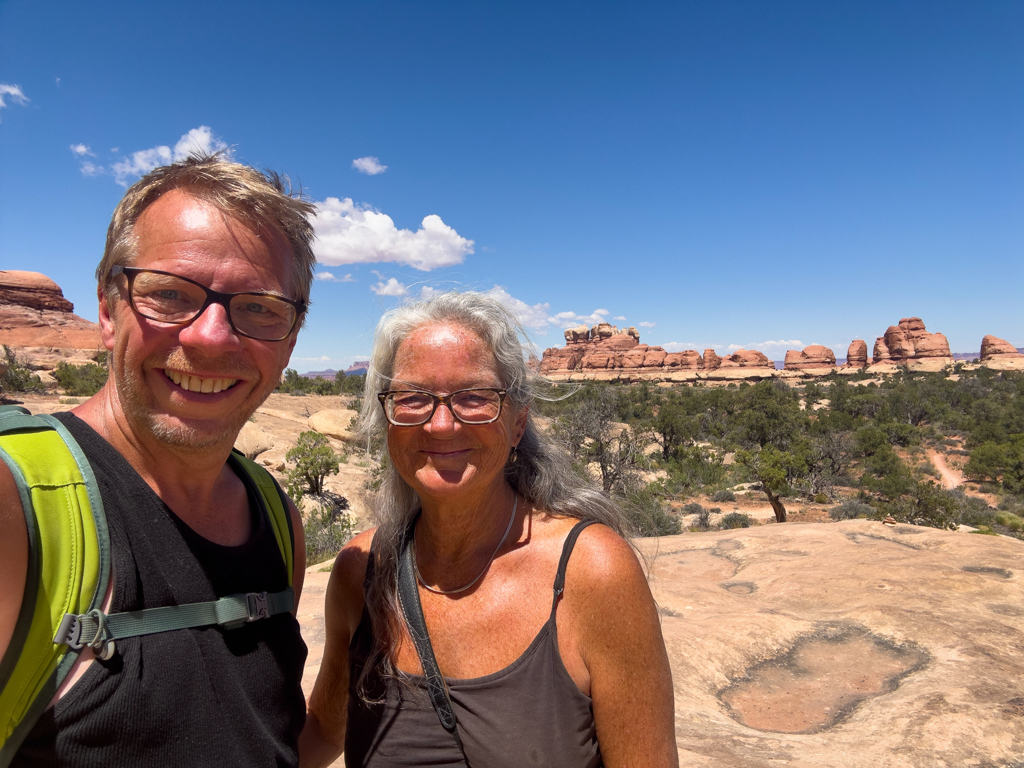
(542, 474)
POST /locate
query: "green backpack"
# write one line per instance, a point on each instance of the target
(69, 565)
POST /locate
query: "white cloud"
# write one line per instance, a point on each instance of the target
(198, 140)
(371, 166)
(81, 149)
(15, 92)
(602, 312)
(534, 317)
(429, 292)
(350, 234)
(765, 346)
(678, 346)
(329, 277)
(570, 319)
(391, 288)
(91, 169)
(646, 324)
(619, 317)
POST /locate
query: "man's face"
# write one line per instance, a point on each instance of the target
(160, 370)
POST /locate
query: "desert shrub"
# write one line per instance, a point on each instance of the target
(17, 377)
(821, 498)
(80, 380)
(1011, 521)
(724, 495)
(314, 459)
(1010, 503)
(734, 520)
(648, 517)
(695, 467)
(327, 527)
(702, 521)
(850, 510)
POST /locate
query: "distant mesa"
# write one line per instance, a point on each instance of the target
(358, 368)
(36, 319)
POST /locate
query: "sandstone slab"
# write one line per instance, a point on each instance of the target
(848, 645)
(332, 422)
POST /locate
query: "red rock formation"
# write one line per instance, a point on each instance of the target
(34, 313)
(994, 348)
(747, 358)
(857, 354)
(880, 354)
(814, 356)
(32, 290)
(909, 342)
(688, 359)
(578, 335)
(712, 361)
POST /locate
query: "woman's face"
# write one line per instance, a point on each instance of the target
(445, 459)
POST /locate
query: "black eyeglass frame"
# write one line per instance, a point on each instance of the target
(212, 297)
(442, 400)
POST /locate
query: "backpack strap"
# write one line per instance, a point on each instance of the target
(69, 566)
(276, 504)
(69, 563)
(99, 630)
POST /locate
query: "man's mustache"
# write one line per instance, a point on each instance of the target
(229, 366)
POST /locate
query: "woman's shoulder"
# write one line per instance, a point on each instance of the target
(349, 570)
(600, 556)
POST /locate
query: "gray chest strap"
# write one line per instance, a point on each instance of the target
(99, 631)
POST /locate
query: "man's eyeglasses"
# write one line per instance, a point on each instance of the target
(170, 298)
(469, 406)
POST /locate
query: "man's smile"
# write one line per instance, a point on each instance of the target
(193, 383)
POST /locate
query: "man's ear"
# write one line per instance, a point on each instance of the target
(106, 319)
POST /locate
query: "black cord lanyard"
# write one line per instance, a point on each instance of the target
(412, 610)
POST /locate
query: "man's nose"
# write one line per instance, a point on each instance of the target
(211, 330)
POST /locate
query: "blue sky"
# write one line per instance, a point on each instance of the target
(764, 175)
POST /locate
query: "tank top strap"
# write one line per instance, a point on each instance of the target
(567, 547)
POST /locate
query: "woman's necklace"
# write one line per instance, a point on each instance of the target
(416, 566)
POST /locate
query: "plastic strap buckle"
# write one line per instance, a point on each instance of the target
(69, 632)
(256, 606)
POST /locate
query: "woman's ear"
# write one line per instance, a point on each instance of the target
(520, 425)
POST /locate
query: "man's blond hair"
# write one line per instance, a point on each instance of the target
(261, 201)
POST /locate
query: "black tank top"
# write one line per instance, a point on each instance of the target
(192, 697)
(529, 713)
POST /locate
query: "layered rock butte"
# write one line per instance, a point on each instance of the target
(606, 353)
(40, 323)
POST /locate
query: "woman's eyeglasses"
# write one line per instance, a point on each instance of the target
(468, 406)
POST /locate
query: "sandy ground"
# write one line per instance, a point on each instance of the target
(951, 478)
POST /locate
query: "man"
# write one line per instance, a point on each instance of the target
(202, 289)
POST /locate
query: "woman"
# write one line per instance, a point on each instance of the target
(487, 510)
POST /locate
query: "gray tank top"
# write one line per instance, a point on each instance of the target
(529, 713)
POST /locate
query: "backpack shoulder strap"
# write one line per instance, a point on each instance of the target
(276, 504)
(69, 563)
